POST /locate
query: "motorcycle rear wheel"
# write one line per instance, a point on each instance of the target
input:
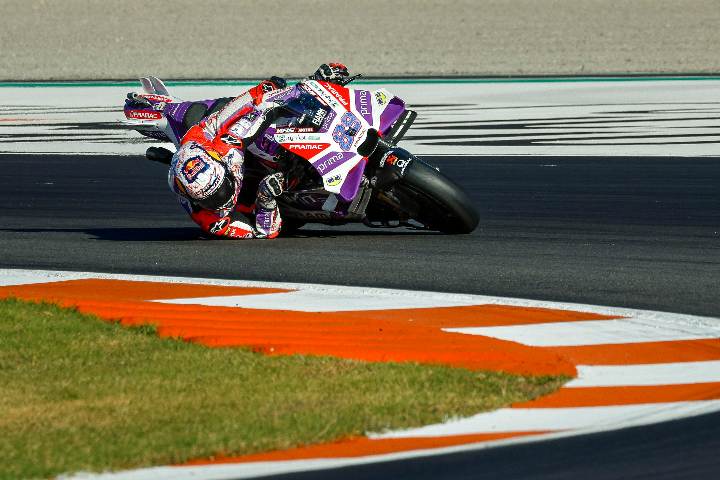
(435, 201)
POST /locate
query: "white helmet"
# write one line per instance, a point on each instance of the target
(202, 178)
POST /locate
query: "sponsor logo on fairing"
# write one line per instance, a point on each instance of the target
(295, 130)
(335, 93)
(319, 116)
(297, 137)
(143, 114)
(334, 181)
(305, 150)
(307, 146)
(329, 99)
(328, 121)
(391, 159)
(319, 92)
(364, 103)
(381, 98)
(325, 164)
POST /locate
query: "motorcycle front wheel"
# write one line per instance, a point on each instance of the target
(432, 199)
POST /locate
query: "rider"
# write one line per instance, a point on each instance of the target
(206, 172)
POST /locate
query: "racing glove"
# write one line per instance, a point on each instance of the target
(270, 187)
(273, 83)
(331, 72)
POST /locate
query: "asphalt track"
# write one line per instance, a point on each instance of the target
(627, 232)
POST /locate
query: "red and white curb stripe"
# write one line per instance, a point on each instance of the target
(636, 327)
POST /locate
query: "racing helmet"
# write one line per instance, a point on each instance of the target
(203, 179)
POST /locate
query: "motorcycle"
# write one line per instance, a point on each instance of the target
(337, 147)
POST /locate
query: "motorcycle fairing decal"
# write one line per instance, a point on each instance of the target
(332, 161)
(295, 129)
(364, 105)
(328, 121)
(382, 97)
(341, 94)
(345, 131)
(298, 137)
(334, 168)
(157, 98)
(143, 114)
(306, 150)
(280, 95)
(315, 88)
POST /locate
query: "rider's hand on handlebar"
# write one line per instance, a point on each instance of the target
(273, 83)
(270, 187)
(331, 72)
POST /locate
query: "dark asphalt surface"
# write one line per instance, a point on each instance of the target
(626, 232)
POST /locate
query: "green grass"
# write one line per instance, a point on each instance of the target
(78, 393)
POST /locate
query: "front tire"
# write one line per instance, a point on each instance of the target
(434, 200)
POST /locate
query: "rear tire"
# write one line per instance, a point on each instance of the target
(434, 200)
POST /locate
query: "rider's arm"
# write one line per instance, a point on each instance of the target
(247, 108)
(267, 213)
(237, 225)
(234, 225)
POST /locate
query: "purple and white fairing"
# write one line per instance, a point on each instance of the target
(390, 114)
(334, 145)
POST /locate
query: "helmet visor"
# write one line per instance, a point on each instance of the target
(221, 198)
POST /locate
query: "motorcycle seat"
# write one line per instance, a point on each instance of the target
(200, 110)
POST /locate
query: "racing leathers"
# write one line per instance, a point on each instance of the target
(210, 162)
(223, 136)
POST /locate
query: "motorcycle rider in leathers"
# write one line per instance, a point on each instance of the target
(206, 172)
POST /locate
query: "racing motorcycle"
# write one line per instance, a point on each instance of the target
(337, 147)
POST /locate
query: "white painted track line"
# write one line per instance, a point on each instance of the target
(645, 375)
(596, 332)
(554, 419)
(312, 301)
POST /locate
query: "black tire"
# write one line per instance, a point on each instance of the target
(434, 200)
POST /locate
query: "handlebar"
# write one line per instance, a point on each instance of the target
(350, 79)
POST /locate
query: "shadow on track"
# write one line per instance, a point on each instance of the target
(140, 234)
(122, 234)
